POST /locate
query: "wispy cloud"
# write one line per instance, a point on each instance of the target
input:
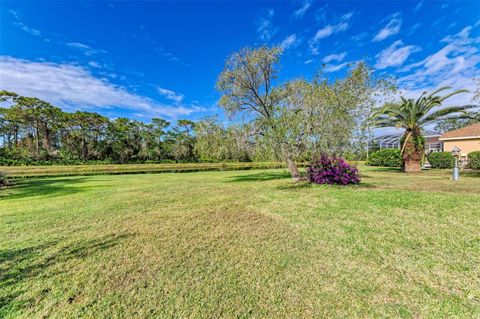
(418, 6)
(265, 28)
(161, 51)
(94, 64)
(18, 23)
(334, 57)
(288, 42)
(74, 87)
(360, 38)
(85, 49)
(171, 95)
(456, 64)
(334, 68)
(158, 48)
(395, 55)
(393, 27)
(300, 12)
(330, 29)
(414, 28)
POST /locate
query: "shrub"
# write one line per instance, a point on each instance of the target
(388, 157)
(441, 160)
(332, 170)
(474, 160)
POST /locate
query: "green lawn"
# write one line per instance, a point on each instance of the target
(240, 244)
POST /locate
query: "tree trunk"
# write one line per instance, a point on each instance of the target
(37, 141)
(412, 166)
(15, 135)
(292, 167)
(46, 141)
(413, 149)
(84, 150)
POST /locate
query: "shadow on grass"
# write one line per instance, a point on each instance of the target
(383, 169)
(295, 185)
(471, 174)
(49, 187)
(19, 265)
(258, 177)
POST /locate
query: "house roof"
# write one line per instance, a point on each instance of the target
(470, 131)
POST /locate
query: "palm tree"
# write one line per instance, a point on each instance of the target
(413, 115)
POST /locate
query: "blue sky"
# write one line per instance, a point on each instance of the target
(161, 59)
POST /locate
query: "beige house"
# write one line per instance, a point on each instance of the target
(466, 138)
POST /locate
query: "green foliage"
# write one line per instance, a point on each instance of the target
(454, 123)
(474, 160)
(299, 119)
(414, 114)
(37, 133)
(441, 159)
(388, 157)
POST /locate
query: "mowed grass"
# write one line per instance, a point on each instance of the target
(241, 244)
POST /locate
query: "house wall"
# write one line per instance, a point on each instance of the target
(466, 146)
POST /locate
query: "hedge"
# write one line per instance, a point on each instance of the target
(441, 160)
(474, 160)
(66, 170)
(388, 157)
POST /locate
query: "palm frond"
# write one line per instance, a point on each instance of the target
(452, 111)
(453, 93)
(443, 88)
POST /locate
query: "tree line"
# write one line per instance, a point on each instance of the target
(291, 121)
(35, 131)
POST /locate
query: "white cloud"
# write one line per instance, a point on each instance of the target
(73, 87)
(171, 95)
(94, 64)
(334, 57)
(300, 12)
(265, 28)
(464, 34)
(288, 42)
(324, 32)
(309, 61)
(334, 68)
(18, 23)
(455, 65)
(392, 28)
(330, 29)
(395, 55)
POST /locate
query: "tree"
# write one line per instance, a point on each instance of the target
(83, 131)
(246, 84)
(413, 115)
(42, 120)
(456, 123)
(181, 141)
(299, 118)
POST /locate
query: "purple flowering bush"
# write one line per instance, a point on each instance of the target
(332, 170)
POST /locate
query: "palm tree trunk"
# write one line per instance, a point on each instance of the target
(412, 151)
